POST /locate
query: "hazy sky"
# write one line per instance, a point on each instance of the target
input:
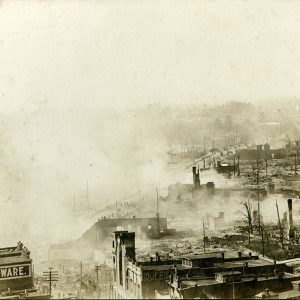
(64, 64)
(86, 53)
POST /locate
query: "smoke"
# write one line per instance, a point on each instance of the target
(48, 155)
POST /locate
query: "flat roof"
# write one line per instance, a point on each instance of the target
(212, 281)
(202, 255)
(229, 273)
(13, 257)
(14, 260)
(161, 267)
(251, 263)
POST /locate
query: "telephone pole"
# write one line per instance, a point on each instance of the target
(80, 278)
(87, 197)
(257, 183)
(280, 227)
(204, 237)
(97, 268)
(157, 202)
(50, 276)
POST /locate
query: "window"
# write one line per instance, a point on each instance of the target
(113, 244)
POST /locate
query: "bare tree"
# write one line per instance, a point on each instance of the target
(248, 217)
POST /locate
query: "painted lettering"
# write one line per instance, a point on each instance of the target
(14, 271)
(3, 272)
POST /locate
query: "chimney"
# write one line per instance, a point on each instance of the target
(240, 254)
(290, 208)
(197, 180)
(157, 256)
(250, 254)
(194, 174)
(223, 255)
(151, 259)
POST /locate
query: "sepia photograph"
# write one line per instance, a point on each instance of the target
(149, 149)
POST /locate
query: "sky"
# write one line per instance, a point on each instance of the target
(66, 66)
(90, 54)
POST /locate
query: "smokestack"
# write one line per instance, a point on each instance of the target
(196, 177)
(157, 256)
(290, 218)
(290, 208)
(197, 180)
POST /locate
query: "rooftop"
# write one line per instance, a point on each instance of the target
(227, 273)
(238, 263)
(212, 281)
(13, 255)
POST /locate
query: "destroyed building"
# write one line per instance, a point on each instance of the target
(192, 191)
(262, 152)
(99, 235)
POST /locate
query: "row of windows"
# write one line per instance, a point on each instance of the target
(187, 262)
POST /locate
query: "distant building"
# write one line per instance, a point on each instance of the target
(99, 236)
(261, 152)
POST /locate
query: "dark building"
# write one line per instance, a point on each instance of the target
(206, 275)
(181, 192)
(137, 279)
(216, 277)
(226, 167)
(16, 274)
(261, 152)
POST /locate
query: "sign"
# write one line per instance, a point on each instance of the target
(16, 271)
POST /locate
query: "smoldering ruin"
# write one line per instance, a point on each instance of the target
(149, 150)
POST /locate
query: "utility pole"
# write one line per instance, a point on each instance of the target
(140, 200)
(116, 209)
(280, 227)
(236, 140)
(204, 143)
(97, 268)
(193, 151)
(80, 277)
(234, 165)
(262, 241)
(50, 276)
(257, 183)
(266, 159)
(204, 238)
(295, 163)
(157, 214)
(87, 197)
(157, 202)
